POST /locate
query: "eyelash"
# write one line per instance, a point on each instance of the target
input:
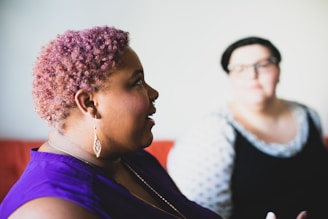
(139, 82)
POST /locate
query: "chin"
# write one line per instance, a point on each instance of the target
(147, 141)
(255, 99)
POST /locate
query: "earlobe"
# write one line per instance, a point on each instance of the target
(84, 102)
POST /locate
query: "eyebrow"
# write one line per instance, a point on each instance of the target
(137, 72)
(260, 60)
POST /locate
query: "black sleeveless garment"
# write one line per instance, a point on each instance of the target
(285, 186)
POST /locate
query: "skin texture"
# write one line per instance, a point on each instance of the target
(122, 109)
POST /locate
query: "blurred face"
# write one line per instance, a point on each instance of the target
(125, 107)
(253, 74)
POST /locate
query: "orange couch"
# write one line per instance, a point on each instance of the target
(15, 154)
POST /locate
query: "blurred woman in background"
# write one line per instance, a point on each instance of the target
(259, 153)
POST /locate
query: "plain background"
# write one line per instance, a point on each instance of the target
(179, 43)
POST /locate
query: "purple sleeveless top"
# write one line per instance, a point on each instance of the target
(65, 177)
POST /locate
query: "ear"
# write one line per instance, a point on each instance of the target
(85, 103)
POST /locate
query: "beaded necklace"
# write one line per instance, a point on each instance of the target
(154, 191)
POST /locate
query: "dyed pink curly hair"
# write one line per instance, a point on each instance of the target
(74, 60)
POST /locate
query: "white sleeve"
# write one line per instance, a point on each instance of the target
(316, 119)
(201, 164)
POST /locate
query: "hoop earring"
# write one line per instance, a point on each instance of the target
(96, 143)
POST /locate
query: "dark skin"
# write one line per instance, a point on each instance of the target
(126, 101)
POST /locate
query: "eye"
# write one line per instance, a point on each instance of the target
(266, 63)
(263, 64)
(236, 68)
(139, 82)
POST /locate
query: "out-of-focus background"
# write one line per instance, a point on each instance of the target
(179, 43)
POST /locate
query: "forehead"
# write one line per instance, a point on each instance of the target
(249, 54)
(128, 67)
(129, 59)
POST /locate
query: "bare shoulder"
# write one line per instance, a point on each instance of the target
(51, 208)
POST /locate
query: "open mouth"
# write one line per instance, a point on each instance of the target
(150, 117)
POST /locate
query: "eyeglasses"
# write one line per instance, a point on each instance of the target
(263, 65)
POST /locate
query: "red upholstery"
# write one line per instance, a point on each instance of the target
(14, 155)
(160, 149)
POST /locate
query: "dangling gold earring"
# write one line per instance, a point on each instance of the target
(96, 142)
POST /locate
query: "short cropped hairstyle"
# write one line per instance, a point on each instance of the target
(245, 42)
(72, 61)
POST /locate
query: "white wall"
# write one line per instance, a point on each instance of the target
(179, 43)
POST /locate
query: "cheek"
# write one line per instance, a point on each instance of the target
(125, 115)
(270, 82)
(138, 107)
(133, 106)
(273, 78)
(236, 84)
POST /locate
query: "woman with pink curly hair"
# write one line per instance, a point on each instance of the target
(90, 87)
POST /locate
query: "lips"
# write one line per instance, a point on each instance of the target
(149, 117)
(255, 86)
(151, 120)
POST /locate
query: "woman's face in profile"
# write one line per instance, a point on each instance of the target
(126, 106)
(253, 74)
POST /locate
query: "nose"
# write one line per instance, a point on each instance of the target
(254, 71)
(153, 93)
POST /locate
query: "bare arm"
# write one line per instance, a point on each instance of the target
(51, 208)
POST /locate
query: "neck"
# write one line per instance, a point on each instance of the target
(61, 144)
(267, 107)
(51, 145)
(268, 111)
